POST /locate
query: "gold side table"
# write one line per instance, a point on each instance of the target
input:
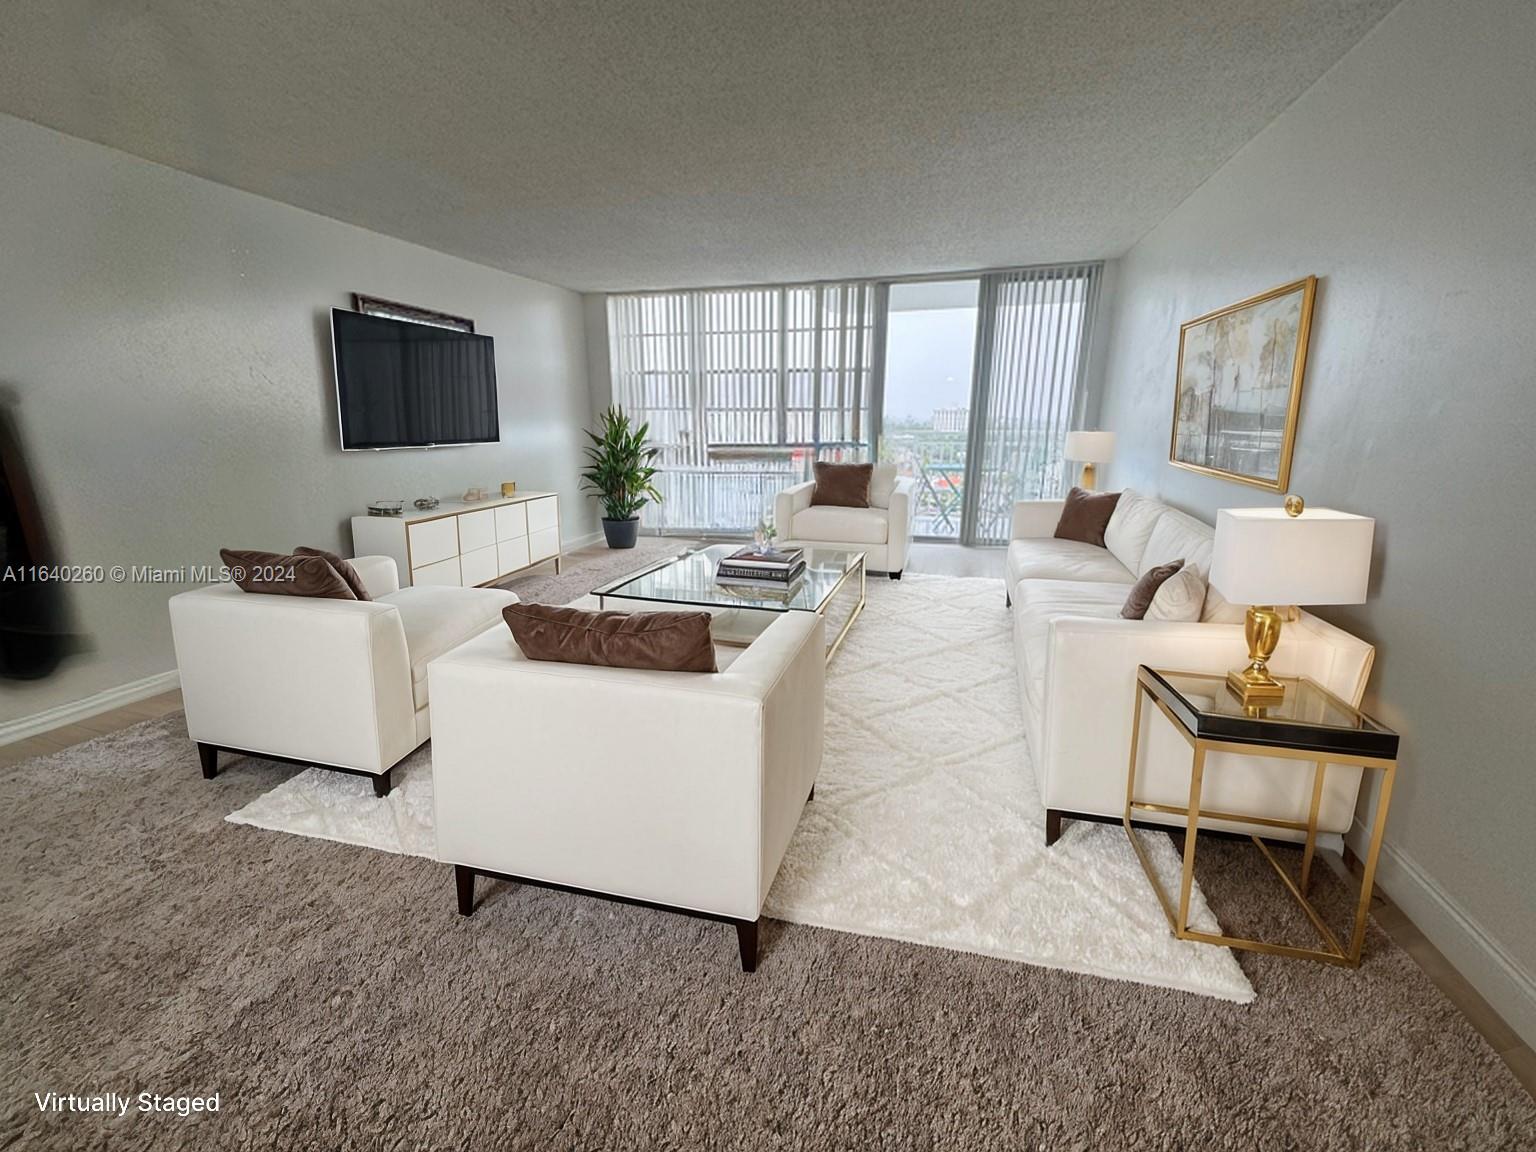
(1310, 725)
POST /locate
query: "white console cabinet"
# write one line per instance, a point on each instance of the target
(465, 544)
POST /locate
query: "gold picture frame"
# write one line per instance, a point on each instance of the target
(1225, 425)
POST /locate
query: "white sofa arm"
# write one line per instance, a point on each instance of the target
(325, 681)
(788, 502)
(682, 789)
(898, 533)
(1089, 694)
(1034, 519)
(378, 573)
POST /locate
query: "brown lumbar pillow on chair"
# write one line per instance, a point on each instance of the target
(343, 568)
(1142, 592)
(1085, 516)
(842, 485)
(276, 574)
(659, 641)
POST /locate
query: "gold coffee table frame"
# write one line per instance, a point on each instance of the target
(1332, 951)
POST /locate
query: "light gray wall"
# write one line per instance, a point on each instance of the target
(166, 342)
(1406, 180)
(594, 307)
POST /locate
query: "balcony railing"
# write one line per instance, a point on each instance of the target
(731, 497)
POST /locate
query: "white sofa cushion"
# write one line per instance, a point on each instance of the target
(841, 525)
(1176, 536)
(1037, 602)
(1130, 527)
(882, 485)
(439, 619)
(1051, 559)
(1179, 598)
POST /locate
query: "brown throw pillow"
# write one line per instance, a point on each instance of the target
(1140, 599)
(1086, 515)
(343, 568)
(279, 575)
(842, 485)
(660, 641)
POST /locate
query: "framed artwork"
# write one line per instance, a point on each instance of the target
(1239, 387)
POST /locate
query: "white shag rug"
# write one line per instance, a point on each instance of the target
(926, 827)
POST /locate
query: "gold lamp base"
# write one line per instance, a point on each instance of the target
(1090, 476)
(1253, 685)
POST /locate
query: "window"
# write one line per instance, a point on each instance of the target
(979, 379)
(1033, 354)
(742, 388)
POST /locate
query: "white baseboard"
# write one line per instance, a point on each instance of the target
(1498, 977)
(76, 710)
(586, 541)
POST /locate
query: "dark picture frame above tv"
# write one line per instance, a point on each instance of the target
(401, 384)
(378, 306)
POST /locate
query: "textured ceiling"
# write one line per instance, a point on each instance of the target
(687, 142)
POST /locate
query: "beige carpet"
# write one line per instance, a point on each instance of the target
(335, 999)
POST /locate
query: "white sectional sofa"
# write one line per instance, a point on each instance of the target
(1077, 661)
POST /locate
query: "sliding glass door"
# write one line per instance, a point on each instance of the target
(967, 384)
(1031, 357)
(930, 348)
(981, 384)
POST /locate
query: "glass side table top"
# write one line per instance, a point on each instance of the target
(690, 579)
(1309, 717)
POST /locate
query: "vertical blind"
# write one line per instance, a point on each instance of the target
(741, 386)
(785, 366)
(1032, 354)
(734, 380)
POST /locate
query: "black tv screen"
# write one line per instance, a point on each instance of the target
(406, 385)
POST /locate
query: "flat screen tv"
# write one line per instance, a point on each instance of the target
(406, 385)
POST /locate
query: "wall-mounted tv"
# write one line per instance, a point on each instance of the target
(405, 385)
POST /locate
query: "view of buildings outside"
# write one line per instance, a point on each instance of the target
(929, 351)
(926, 426)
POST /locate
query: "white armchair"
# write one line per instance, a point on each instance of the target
(883, 531)
(338, 684)
(680, 792)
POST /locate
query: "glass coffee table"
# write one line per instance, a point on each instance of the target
(832, 586)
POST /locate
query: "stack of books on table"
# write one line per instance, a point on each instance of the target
(752, 568)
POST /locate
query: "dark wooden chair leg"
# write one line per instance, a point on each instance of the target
(746, 941)
(1052, 826)
(894, 575)
(464, 883)
(381, 783)
(208, 754)
(1007, 599)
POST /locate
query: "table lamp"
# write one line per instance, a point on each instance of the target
(1269, 557)
(1088, 449)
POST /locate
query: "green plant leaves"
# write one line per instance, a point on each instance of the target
(621, 469)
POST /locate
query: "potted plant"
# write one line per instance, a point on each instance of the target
(620, 472)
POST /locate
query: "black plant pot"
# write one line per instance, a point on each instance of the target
(621, 533)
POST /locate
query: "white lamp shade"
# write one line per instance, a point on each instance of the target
(1091, 447)
(1266, 556)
